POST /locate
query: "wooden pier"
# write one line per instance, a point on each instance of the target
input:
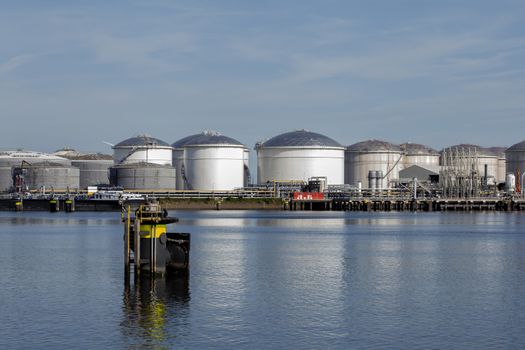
(393, 204)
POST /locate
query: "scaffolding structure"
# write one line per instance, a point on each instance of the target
(459, 176)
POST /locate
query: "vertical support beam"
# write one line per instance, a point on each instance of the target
(137, 245)
(152, 262)
(127, 255)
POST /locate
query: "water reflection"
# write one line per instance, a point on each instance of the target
(155, 311)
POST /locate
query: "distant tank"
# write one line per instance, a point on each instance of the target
(421, 155)
(485, 156)
(94, 167)
(502, 162)
(142, 149)
(298, 156)
(13, 159)
(375, 155)
(516, 159)
(143, 176)
(49, 177)
(210, 161)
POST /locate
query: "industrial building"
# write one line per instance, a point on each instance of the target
(379, 161)
(300, 155)
(210, 161)
(142, 149)
(9, 160)
(94, 167)
(515, 155)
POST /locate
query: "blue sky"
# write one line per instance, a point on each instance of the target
(76, 73)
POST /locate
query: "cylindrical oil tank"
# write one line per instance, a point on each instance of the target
(515, 155)
(6, 177)
(372, 177)
(143, 176)
(421, 155)
(484, 157)
(11, 159)
(510, 182)
(210, 161)
(502, 163)
(142, 149)
(51, 176)
(247, 173)
(300, 155)
(377, 155)
(94, 167)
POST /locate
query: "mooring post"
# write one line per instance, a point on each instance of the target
(127, 254)
(136, 235)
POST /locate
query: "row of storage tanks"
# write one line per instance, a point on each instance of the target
(211, 161)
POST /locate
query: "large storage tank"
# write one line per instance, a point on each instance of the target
(375, 155)
(143, 176)
(515, 155)
(421, 155)
(485, 156)
(50, 176)
(142, 149)
(94, 167)
(11, 159)
(502, 163)
(209, 161)
(300, 155)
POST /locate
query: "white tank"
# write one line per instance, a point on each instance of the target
(300, 155)
(421, 155)
(209, 161)
(142, 149)
(502, 163)
(247, 172)
(12, 159)
(510, 183)
(485, 157)
(374, 155)
(516, 158)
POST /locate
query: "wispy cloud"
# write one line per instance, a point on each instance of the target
(15, 62)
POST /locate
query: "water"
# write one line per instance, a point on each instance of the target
(269, 280)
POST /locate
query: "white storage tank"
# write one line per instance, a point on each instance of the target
(142, 149)
(209, 161)
(143, 176)
(300, 155)
(420, 155)
(515, 155)
(485, 157)
(11, 159)
(502, 163)
(375, 155)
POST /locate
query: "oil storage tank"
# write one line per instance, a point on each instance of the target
(299, 155)
(502, 163)
(515, 155)
(209, 161)
(373, 155)
(143, 176)
(485, 159)
(94, 167)
(420, 155)
(50, 176)
(142, 149)
(9, 160)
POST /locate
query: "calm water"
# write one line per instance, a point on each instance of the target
(269, 280)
